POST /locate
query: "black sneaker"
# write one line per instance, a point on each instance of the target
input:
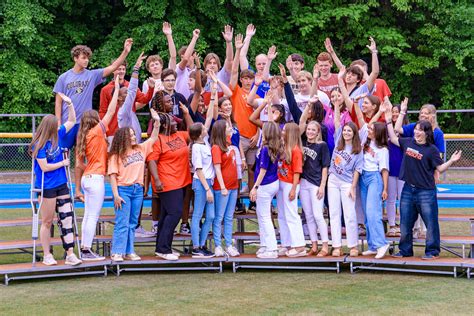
(89, 255)
(200, 253)
(239, 208)
(209, 253)
(185, 229)
(252, 208)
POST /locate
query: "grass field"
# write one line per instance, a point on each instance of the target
(244, 293)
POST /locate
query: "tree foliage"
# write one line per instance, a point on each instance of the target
(426, 47)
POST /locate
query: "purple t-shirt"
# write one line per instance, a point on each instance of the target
(263, 161)
(329, 123)
(79, 87)
(395, 156)
(182, 78)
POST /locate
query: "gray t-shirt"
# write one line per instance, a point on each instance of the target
(79, 87)
(126, 117)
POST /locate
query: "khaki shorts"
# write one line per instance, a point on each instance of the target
(249, 153)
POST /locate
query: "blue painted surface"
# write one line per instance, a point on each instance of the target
(22, 191)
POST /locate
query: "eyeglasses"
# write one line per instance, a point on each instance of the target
(169, 80)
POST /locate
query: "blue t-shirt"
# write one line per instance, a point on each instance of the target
(263, 161)
(263, 88)
(235, 138)
(362, 89)
(79, 87)
(395, 156)
(55, 178)
(409, 131)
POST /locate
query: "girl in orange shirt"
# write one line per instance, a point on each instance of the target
(289, 172)
(92, 147)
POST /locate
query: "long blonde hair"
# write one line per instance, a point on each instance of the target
(319, 137)
(432, 109)
(272, 139)
(291, 140)
(47, 130)
(89, 120)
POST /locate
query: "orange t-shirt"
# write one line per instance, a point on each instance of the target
(131, 169)
(242, 112)
(96, 150)
(228, 168)
(286, 172)
(172, 155)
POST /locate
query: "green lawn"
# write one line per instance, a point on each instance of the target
(246, 292)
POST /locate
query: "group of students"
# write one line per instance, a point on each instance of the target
(329, 139)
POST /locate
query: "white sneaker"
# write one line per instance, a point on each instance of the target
(174, 252)
(232, 251)
(268, 255)
(293, 253)
(219, 252)
(369, 252)
(141, 232)
(72, 260)
(282, 251)
(133, 257)
(382, 251)
(116, 257)
(48, 260)
(261, 250)
(167, 256)
(416, 233)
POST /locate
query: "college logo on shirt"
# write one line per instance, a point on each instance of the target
(341, 159)
(370, 151)
(310, 153)
(414, 153)
(228, 153)
(176, 144)
(135, 157)
(79, 85)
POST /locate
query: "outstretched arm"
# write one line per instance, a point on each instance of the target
(127, 46)
(391, 132)
(235, 65)
(290, 97)
(271, 55)
(252, 96)
(71, 119)
(455, 157)
(249, 33)
(171, 47)
(228, 34)
(225, 88)
(189, 51)
(342, 86)
(330, 50)
(403, 112)
(197, 85)
(375, 64)
(112, 105)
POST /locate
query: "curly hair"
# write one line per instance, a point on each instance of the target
(77, 50)
(121, 143)
(158, 101)
(89, 120)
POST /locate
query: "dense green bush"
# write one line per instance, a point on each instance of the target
(426, 47)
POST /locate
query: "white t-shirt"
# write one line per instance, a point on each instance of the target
(264, 113)
(202, 159)
(302, 100)
(375, 158)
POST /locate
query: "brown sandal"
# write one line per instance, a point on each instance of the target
(323, 253)
(311, 252)
(337, 252)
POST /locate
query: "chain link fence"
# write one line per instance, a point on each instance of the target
(15, 160)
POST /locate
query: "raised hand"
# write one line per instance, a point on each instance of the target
(316, 71)
(313, 99)
(117, 83)
(155, 116)
(404, 105)
(167, 28)
(212, 75)
(127, 46)
(289, 63)
(228, 33)
(197, 60)
(258, 79)
(213, 87)
(239, 41)
(250, 30)
(328, 45)
(140, 60)
(65, 98)
(183, 108)
(196, 32)
(372, 47)
(272, 53)
(283, 72)
(151, 82)
(342, 73)
(456, 156)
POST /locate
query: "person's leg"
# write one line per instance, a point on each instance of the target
(317, 206)
(363, 189)
(250, 154)
(136, 203)
(265, 194)
(65, 220)
(172, 204)
(94, 191)
(334, 199)
(188, 194)
(198, 211)
(221, 202)
(285, 238)
(391, 199)
(428, 203)
(48, 207)
(305, 198)
(292, 217)
(408, 216)
(359, 208)
(209, 219)
(122, 220)
(373, 210)
(229, 217)
(350, 216)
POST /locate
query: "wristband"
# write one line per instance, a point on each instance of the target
(243, 159)
(135, 68)
(403, 113)
(256, 187)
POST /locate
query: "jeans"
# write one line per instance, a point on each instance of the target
(371, 187)
(424, 202)
(289, 221)
(265, 195)
(199, 235)
(338, 192)
(313, 211)
(126, 219)
(171, 203)
(94, 192)
(225, 207)
(395, 187)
